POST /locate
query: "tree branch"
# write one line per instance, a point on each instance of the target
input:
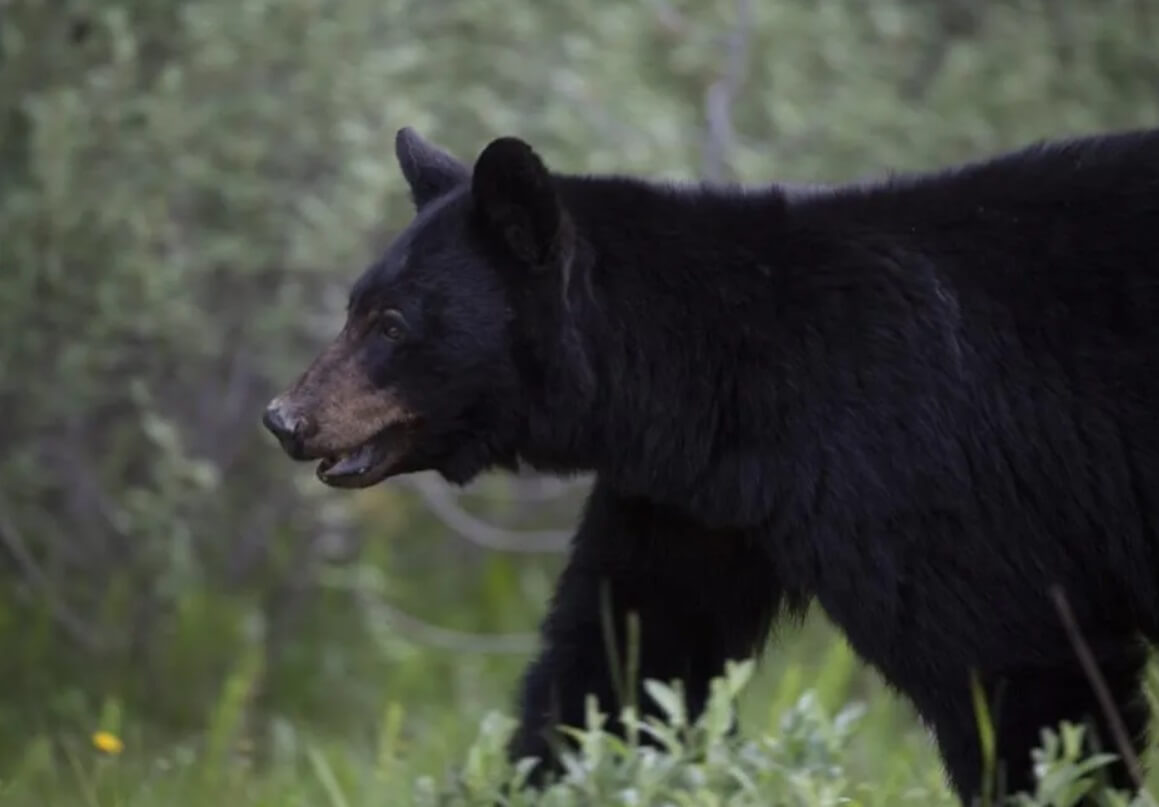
(441, 502)
(1099, 685)
(368, 592)
(425, 633)
(84, 634)
(722, 94)
(536, 489)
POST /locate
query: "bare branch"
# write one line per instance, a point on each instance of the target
(441, 502)
(722, 94)
(671, 20)
(84, 634)
(537, 488)
(430, 635)
(368, 592)
(1099, 684)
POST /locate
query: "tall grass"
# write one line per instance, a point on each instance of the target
(817, 729)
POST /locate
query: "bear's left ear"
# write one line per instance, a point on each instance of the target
(517, 203)
(428, 169)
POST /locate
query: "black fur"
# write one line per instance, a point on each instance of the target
(920, 402)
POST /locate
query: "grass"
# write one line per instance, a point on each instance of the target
(818, 729)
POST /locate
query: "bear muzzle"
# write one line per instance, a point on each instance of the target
(289, 427)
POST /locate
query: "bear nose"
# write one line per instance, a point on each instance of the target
(285, 425)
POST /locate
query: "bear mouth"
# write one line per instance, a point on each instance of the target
(368, 464)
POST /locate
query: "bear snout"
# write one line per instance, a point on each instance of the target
(288, 426)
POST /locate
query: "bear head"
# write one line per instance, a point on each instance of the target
(431, 369)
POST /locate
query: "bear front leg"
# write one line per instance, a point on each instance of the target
(700, 597)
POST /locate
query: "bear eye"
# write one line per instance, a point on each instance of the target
(392, 325)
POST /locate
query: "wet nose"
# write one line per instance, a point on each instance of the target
(285, 425)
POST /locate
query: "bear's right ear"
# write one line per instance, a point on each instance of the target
(516, 199)
(428, 169)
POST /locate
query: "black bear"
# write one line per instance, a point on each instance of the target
(926, 403)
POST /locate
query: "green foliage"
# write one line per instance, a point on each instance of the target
(670, 761)
(186, 191)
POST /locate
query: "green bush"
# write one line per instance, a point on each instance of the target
(186, 191)
(669, 761)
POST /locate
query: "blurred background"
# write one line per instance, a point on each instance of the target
(188, 188)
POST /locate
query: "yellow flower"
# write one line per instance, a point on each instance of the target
(108, 742)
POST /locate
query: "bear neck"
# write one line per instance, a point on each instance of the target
(644, 356)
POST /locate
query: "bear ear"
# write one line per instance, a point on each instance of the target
(516, 201)
(428, 169)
